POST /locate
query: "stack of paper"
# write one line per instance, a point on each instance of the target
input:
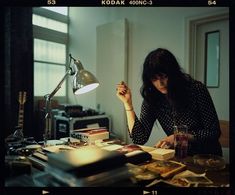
(162, 154)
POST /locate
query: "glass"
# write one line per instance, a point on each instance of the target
(181, 141)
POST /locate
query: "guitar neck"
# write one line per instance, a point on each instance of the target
(21, 116)
(22, 99)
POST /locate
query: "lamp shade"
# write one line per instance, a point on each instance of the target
(83, 80)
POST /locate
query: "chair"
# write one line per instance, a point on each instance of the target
(224, 138)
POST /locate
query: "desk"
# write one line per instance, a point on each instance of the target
(220, 178)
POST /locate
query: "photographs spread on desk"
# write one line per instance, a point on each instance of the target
(198, 180)
(190, 181)
(142, 176)
(180, 182)
(164, 168)
(189, 178)
(166, 183)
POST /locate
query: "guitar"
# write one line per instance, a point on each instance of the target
(18, 131)
(21, 100)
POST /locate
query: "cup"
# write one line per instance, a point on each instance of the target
(181, 141)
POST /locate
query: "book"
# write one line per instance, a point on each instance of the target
(166, 168)
(113, 177)
(159, 153)
(90, 135)
(162, 154)
(147, 148)
(86, 161)
(133, 153)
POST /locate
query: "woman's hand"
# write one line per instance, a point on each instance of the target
(167, 142)
(124, 94)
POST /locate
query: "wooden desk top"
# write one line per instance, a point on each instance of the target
(220, 178)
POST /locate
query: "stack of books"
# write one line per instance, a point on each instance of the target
(90, 135)
(85, 167)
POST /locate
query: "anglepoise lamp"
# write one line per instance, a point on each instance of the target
(83, 81)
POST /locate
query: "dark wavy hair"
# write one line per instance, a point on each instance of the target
(162, 61)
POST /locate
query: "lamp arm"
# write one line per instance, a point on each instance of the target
(77, 67)
(47, 133)
(70, 71)
(51, 95)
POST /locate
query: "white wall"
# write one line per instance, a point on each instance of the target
(149, 28)
(82, 44)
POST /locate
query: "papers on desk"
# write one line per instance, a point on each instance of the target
(54, 142)
(147, 148)
(58, 148)
(159, 153)
(162, 154)
(112, 147)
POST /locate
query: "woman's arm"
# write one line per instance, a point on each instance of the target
(124, 94)
(143, 125)
(139, 129)
(130, 114)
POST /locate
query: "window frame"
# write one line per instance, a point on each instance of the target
(53, 36)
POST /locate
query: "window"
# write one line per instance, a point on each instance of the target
(50, 31)
(49, 23)
(61, 10)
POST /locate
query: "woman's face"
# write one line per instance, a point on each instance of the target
(160, 83)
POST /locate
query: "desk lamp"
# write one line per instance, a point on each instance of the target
(83, 82)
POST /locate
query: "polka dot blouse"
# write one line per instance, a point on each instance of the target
(200, 117)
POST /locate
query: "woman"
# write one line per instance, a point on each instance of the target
(172, 97)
